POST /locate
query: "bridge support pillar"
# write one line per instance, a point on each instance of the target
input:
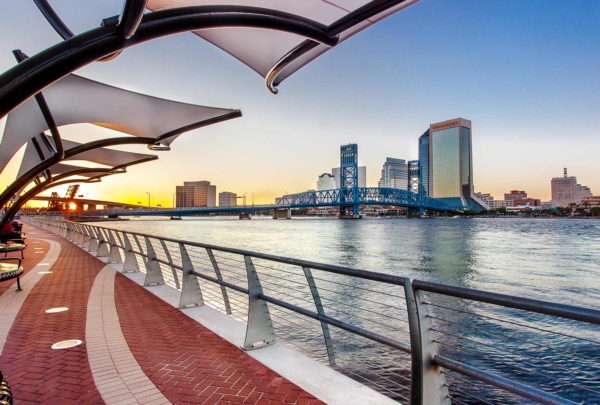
(243, 215)
(413, 212)
(282, 214)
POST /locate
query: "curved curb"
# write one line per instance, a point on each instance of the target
(117, 375)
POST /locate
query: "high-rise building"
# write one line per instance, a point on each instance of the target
(195, 194)
(424, 159)
(451, 165)
(485, 198)
(415, 180)
(582, 192)
(515, 194)
(227, 199)
(564, 190)
(326, 181)
(362, 176)
(394, 174)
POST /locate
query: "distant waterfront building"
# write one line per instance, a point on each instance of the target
(532, 202)
(546, 205)
(591, 200)
(515, 194)
(227, 199)
(485, 198)
(362, 176)
(495, 204)
(394, 174)
(424, 159)
(582, 192)
(326, 181)
(564, 190)
(196, 194)
(451, 164)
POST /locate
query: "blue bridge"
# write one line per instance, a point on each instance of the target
(310, 199)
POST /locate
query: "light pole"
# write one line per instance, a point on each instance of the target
(148, 198)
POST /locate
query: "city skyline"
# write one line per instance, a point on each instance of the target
(531, 114)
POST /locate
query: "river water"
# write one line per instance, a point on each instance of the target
(549, 259)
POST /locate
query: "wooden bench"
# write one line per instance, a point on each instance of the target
(9, 271)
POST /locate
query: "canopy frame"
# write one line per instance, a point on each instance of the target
(57, 181)
(29, 78)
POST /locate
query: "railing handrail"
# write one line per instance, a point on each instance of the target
(425, 359)
(510, 301)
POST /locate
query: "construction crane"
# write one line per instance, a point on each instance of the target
(58, 204)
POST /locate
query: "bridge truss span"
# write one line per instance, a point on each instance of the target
(366, 196)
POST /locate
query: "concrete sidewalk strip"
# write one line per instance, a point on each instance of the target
(118, 376)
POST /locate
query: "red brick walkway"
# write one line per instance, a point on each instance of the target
(37, 374)
(187, 362)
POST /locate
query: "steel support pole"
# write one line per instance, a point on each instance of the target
(154, 274)
(114, 254)
(168, 254)
(102, 244)
(215, 265)
(432, 385)
(259, 330)
(130, 264)
(317, 299)
(190, 287)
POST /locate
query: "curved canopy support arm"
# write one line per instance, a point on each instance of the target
(59, 26)
(57, 181)
(26, 79)
(350, 20)
(32, 173)
(41, 101)
(131, 16)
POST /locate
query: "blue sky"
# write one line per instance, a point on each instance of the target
(524, 72)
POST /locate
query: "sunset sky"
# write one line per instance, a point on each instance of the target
(526, 73)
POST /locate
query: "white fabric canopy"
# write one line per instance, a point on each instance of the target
(102, 156)
(75, 100)
(262, 49)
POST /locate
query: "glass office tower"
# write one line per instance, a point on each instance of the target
(451, 164)
(424, 159)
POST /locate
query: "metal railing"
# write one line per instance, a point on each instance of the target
(416, 341)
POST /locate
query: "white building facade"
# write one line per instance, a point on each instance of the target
(326, 181)
(227, 199)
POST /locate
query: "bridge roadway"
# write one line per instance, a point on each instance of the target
(310, 199)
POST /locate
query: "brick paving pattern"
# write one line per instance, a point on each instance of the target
(189, 363)
(37, 373)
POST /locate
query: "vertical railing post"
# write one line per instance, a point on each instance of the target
(114, 255)
(428, 383)
(153, 271)
(79, 234)
(93, 239)
(190, 288)
(102, 244)
(170, 260)
(130, 264)
(215, 265)
(259, 330)
(317, 299)
(86, 237)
